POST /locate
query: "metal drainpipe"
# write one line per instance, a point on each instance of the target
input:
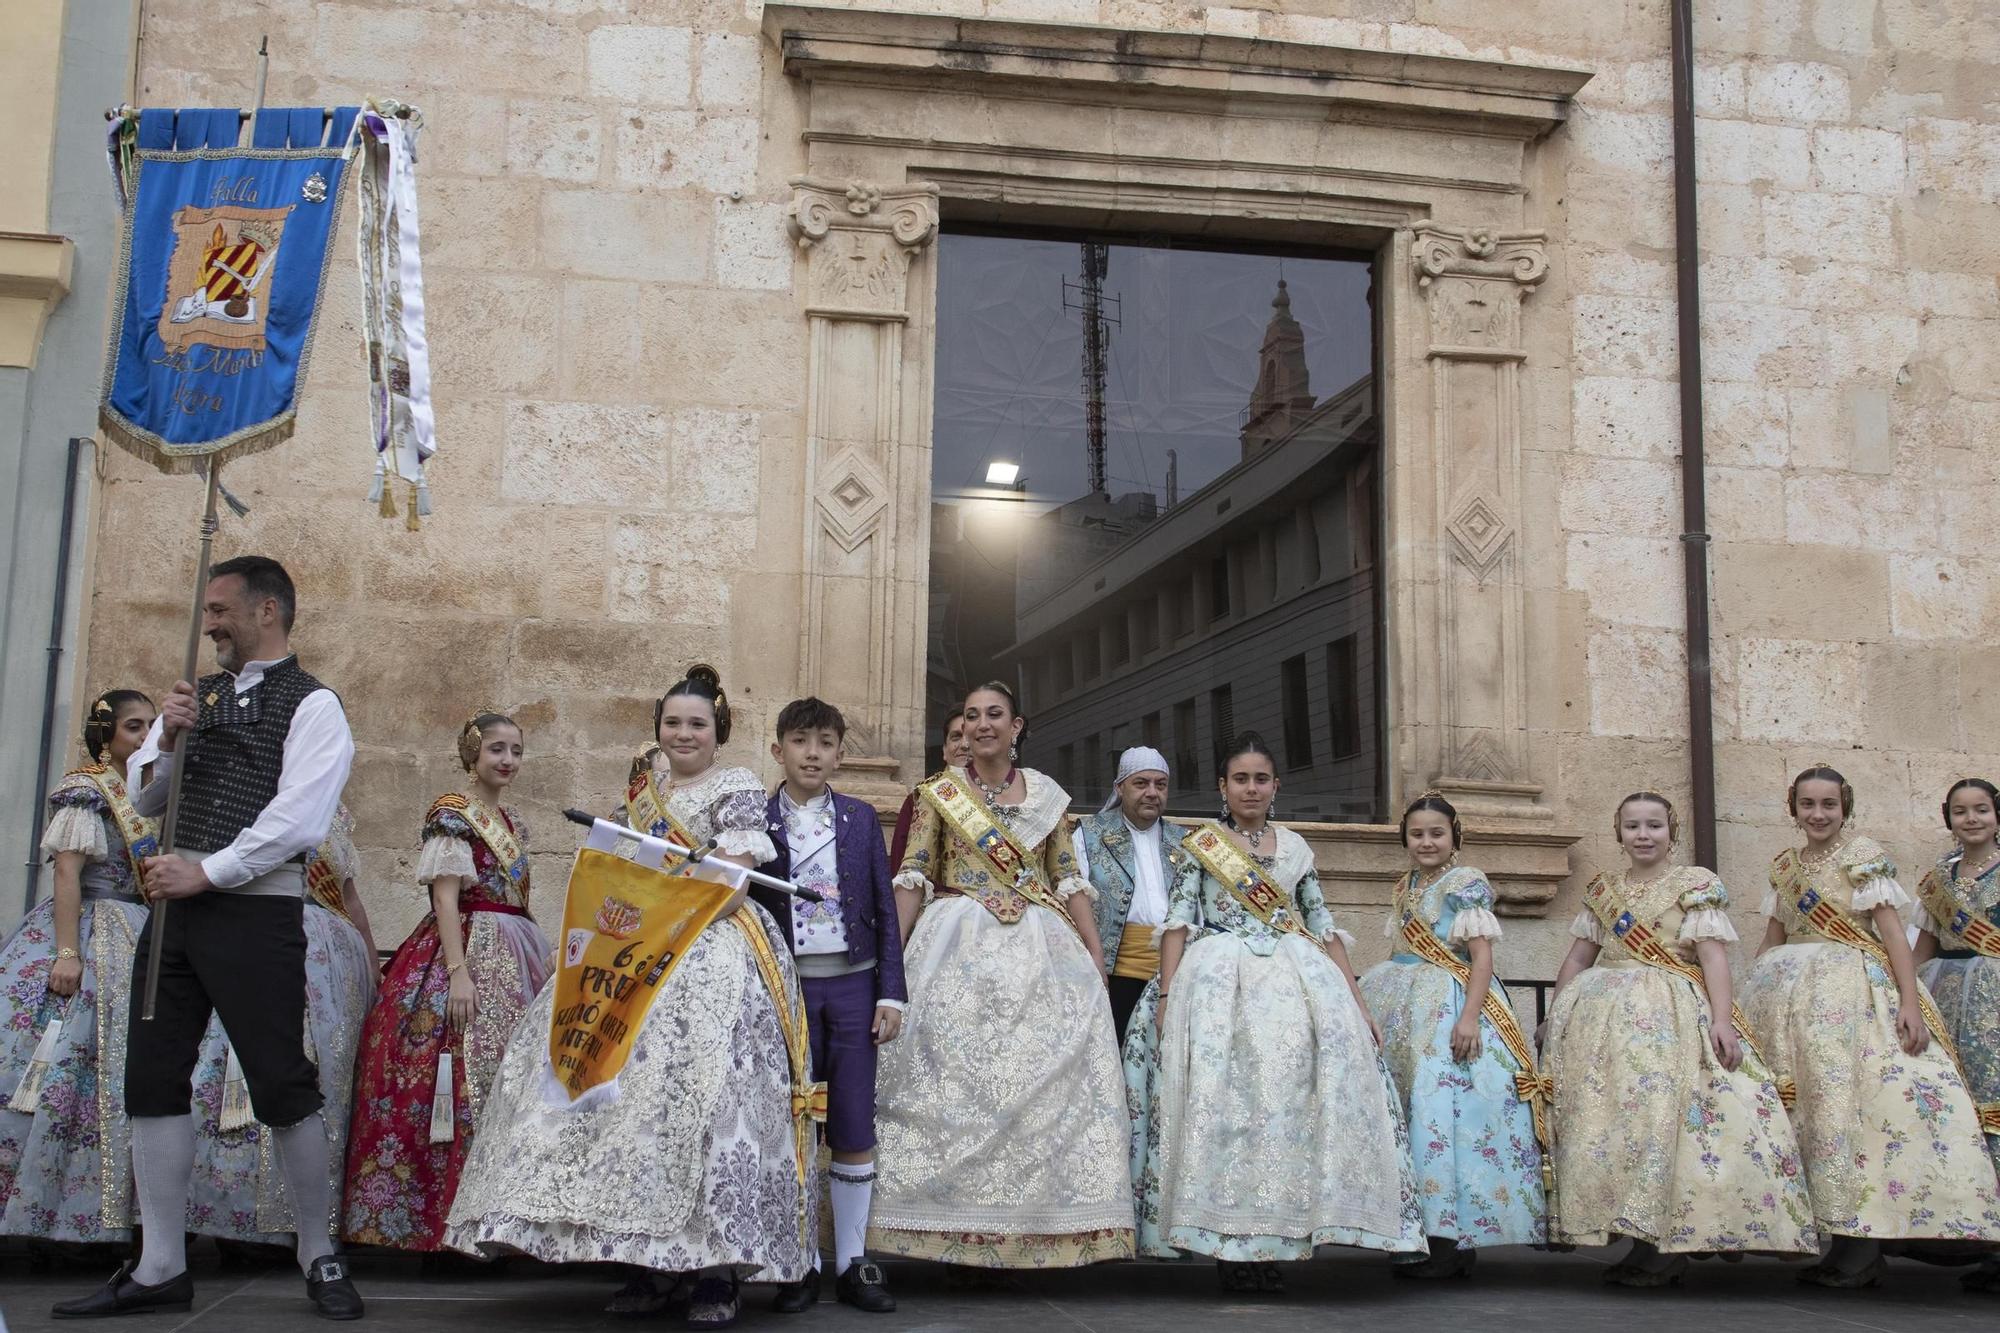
(57, 617)
(1694, 482)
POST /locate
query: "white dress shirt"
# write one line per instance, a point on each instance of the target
(811, 835)
(319, 752)
(1149, 873)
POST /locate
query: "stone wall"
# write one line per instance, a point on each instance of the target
(620, 361)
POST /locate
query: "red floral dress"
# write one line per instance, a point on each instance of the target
(400, 1182)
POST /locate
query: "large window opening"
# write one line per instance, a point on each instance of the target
(1154, 484)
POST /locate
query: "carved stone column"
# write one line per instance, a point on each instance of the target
(1474, 281)
(860, 241)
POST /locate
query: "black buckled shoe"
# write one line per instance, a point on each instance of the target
(865, 1288)
(797, 1297)
(123, 1295)
(330, 1289)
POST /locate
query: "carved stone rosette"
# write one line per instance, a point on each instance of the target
(1473, 281)
(859, 241)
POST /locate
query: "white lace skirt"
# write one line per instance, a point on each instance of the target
(692, 1165)
(1001, 1108)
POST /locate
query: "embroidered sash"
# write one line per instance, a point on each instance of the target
(972, 819)
(323, 881)
(142, 835)
(808, 1097)
(1237, 873)
(1834, 925)
(1530, 1084)
(647, 812)
(1621, 923)
(1970, 929)
(493, 831)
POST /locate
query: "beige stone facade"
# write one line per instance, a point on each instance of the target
(680, 259)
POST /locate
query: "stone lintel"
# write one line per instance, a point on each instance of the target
(1521, 101)
(34, 278)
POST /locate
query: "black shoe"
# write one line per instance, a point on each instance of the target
(330, 1289)
(797, 1297)
(863, 1287)
(123, 1295)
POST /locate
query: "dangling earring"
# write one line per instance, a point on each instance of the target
(1271, 811)
(1013, 752)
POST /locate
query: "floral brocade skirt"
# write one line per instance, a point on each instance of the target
(1967, 991)
(1273, 1127)
(1655, 1140)
(1890, 1141)
(400, 1185)
(1002, 1137)
(1479, 1169)
(65, 1167)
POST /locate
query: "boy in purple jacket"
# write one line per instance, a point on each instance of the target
(850, 962)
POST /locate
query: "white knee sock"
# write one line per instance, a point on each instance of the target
(853, 1186)
(305, 1160)
(162, 1162)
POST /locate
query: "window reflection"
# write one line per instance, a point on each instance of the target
(1165, 534)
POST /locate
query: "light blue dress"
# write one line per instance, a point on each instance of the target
(1472, 1136)
(1264, 1122)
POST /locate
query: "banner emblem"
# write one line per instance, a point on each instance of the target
(216, 278)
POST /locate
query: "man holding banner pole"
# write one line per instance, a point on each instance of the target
(263, 751)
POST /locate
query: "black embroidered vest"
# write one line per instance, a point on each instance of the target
(237, 753)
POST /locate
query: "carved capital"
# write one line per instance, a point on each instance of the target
(1479, 252)
(1474, 280)
(861, 239)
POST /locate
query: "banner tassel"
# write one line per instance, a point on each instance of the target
(388, 506)
(444, 1122)
(29, 1092)
(410, 514)
(423, 494)
(236, 1112)
(375, 486)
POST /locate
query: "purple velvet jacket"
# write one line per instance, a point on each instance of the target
(867, 898)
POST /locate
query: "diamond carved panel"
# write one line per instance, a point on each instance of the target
(852, 500)
(1480, 532)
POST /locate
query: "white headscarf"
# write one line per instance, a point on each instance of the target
(1138, 759)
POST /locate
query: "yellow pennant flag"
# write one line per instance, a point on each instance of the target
(626, 927)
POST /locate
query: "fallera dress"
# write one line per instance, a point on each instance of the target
(66, 1165)
(400, 1183)
(1002, 1138)
(1655, 1139)
(1964, 977)
(1265, 1123)
(1479, 1168)
(693, 1164)
(1891, 1142)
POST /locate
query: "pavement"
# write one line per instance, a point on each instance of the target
(1509, 1290)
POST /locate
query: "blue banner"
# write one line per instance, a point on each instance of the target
(225, 254)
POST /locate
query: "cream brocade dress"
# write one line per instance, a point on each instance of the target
(1655, 1140)
(692, 1164)
(1891, 1142)
(1001, 1110)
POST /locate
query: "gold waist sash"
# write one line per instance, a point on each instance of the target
(1138, 955)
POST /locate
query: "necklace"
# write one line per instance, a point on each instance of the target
(1814, 862)
(1989, 863)
(1421, 880)
(1255, 837)
(992, 794)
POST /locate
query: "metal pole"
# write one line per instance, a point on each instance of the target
(1694, 483)
(191, 660)
(57, 616)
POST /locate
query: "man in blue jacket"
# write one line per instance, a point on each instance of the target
(850, 961)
